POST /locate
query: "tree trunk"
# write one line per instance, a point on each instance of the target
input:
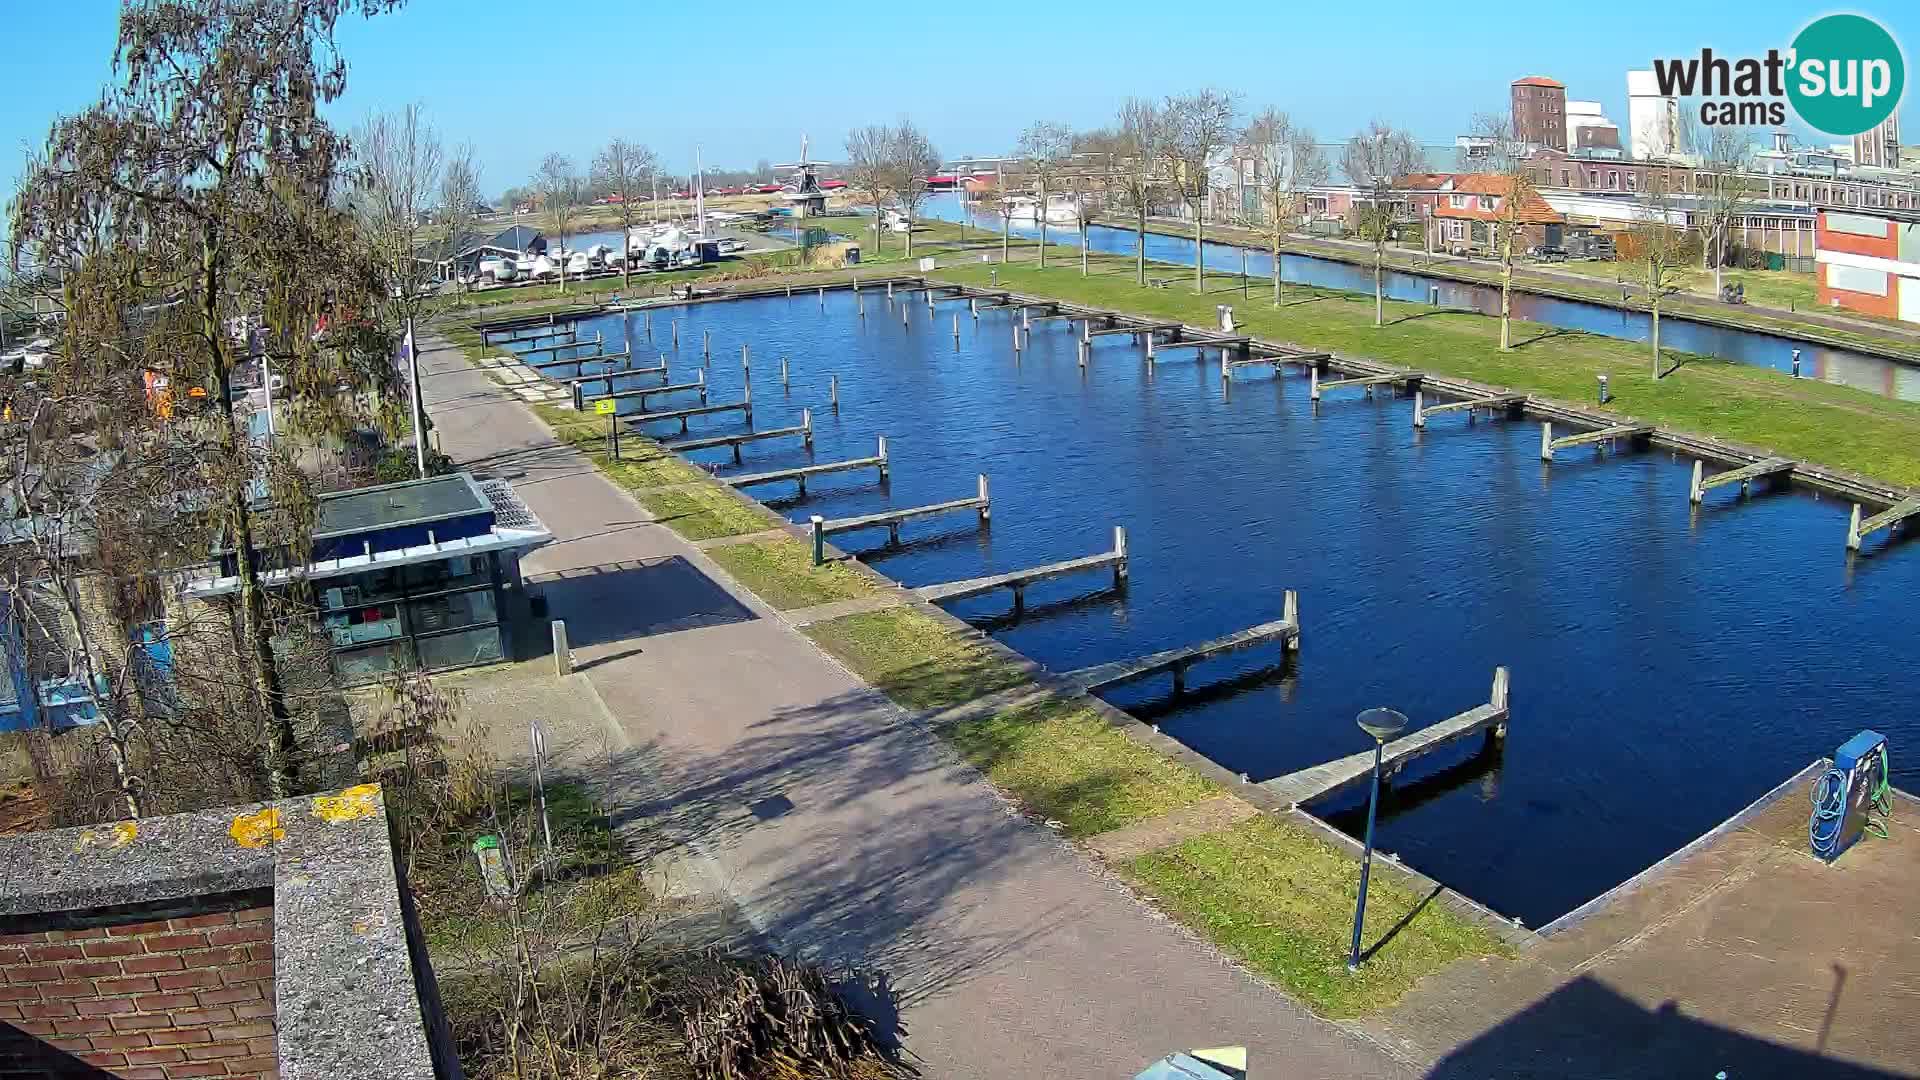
(626, 264)
(1200, 248)
(1006, 236)
(1276, 261)
(1043, 226)
(1140, 247)
(909, 251)
(256, 632)
(1656, 337)
(110, 718)
(1379, 292)
(1506, 291)
(1086, 244)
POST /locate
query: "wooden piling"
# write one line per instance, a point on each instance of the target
(833, 392)
(1420, 412)
(1120, 550)
(986, 506)
(706, 344)
(1546, 440)
(1853, 529)
(783, 369)
(562, 655)
(819, 539)
(806, 428)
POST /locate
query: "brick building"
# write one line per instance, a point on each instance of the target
(1467, 213)
(1540, 111)
(1869, 262)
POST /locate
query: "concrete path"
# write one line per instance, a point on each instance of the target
(843, 829)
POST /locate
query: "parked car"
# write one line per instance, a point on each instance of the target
(1550, 254)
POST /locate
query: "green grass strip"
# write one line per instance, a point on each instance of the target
(782, 573)
(915, 659)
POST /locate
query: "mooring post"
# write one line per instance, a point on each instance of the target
(1853, 530)
(956, 326)
(789, 290)
(1498, 699)
(833, 392)
(562, 656)
(578, 404)
(1016, 337)
(783, 369)
(1693, 490)
(649, 325)
(806, 428)
(1546, 440)
(1313, 383)
(929, 301)
(706, 344)
(860, 303)
(986, 501)
(823, 298)
(745, 358)
(1290, 612)
(904, 317)
(1150, 340)
(1120, 556)
(1080, 354)
(626, 329)
(1026, 318)
(973, 306)
(676, 334)
(701, 378)
(747, 384)
(1419, 412)
(819, 525)
(883, 457)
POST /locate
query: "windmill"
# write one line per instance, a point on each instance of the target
(807, 198)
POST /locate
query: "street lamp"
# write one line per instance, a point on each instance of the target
(1382, 724)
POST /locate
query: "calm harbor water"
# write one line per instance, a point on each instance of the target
(1668, 666)
(1889, 378)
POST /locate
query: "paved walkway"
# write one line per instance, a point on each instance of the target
(842, 829)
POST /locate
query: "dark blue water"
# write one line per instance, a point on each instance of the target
(1668, 667)
(1889, 378)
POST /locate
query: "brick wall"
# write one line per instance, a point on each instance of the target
(166, 999)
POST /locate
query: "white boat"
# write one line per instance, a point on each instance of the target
(895, 221)
(1062, 210)
(525, 265)
(543, 268)
(579, 264)
(1023, 208)
(498, 268)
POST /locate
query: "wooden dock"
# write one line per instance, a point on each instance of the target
(1285, 630)
(1279, 359)
(596, 358)
(1489, 402)
(643, 393)
(804, 472)
(1018, 580)
(1744, 476)
(617, 373)
(1325, 779)
(804, 431)
(683, 415)
(1202, 343)
(487, 339)
(1138, 328)
(1549, 444)
(1858, 530)
(597, 340)
(1391, 378)
(981, 503)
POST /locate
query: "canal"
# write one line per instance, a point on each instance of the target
(1668, 666)
(1889, 378)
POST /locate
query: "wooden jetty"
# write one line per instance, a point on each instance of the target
(1280, 359)
(596, 358)
(682, 415)
(1744, 476)
(1549, 444)
(1185, 341)
(568, 332)
(617, 373)
(980, 503)
(580, 398)
(1137, 328)
(1018, 580)
(1489, 402)
(804, 431)
(1326, 778)
(1391, 378)
(1858, 530)
(1285, 630)
(803, 473)
(596, 341)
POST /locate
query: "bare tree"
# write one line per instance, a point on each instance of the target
(396, 179)
(195, 212)
(1199, 126)
(1373, 159)
(460, 199)
(625, 169)
(1662, 244)
(869, 170)
(1140, 175)
(1725, 191)
(559, 188)
(1288, 161)
(911, 158)
(1508, 163)
(1045, 150)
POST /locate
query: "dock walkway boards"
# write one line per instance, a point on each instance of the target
(1285, 630)
(1421, 410)
(1328, 777)
(1549, 444)
(1139, 328)
(1018, 580)
(804, 431)
(892, 519)
(804, 472)
(1858, 530)
(596, 358)
(1702, 483)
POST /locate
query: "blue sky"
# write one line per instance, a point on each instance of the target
(744, 78)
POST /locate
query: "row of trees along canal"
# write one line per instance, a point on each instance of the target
(201, 226)
(1156, 153)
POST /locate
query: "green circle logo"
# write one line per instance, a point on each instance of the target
(1847, 74)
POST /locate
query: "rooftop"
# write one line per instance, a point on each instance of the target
(1540, 80)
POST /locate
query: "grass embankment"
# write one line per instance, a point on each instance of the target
(781, 572)
(1282, 901)
(1801, 418)
(914, 659)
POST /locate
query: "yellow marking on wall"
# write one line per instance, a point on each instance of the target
(118, 836)
(258, 829)
(355, 802)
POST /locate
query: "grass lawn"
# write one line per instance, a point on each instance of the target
(916, 660)
(1282, 900)
(782, 573)
(704, 511)
(1800, 418)
(1066, 764)
(1772, 288)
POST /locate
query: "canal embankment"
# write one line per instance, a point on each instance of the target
(1266, 881)
(1854, 334)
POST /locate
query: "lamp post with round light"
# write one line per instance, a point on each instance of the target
(1382, 724)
